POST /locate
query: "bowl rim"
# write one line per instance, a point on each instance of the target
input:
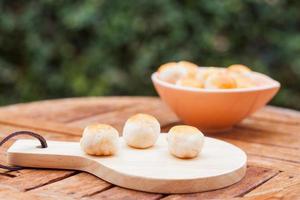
(273, 84)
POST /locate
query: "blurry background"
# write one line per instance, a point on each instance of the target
(55, 49)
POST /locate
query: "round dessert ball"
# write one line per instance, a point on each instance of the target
(220, 81)
(203, 74)
(100, 140)
(185, 141)
(243, 80)
(189, 66)
(141, 131)
(190, 82)
(172, 71)
(238, 68)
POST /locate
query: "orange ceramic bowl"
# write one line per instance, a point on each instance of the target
(218, 109)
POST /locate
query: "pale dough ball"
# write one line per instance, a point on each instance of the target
(244, 80)
(185, 141)
(190, 82)
(203, 74)
(100, 140)
(189, 66)
(242, 75)
(172, 71)
(239, 68)
(220, 81)
(141, 131)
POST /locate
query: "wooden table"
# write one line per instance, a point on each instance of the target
(271, 138)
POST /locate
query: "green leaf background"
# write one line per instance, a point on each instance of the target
(55, 48)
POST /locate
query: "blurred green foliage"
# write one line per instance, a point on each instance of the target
(55, 48)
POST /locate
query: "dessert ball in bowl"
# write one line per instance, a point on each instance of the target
(210, 98)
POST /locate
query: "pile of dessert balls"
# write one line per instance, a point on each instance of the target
(141, 131)
(187, 74)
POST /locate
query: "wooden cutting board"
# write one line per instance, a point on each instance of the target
(152, 170)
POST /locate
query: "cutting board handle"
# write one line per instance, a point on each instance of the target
(14, 134)
(58, 155)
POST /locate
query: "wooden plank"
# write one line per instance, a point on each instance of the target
(261, 137)
(7, 192)
(117, 193)
(272, 163)
(269, 151)
(290, 193)
(118, 118)
(278, 115)
(70, 109)
(280, 182)
(64, 110)
(7, 129)
(32, 115)
(29, 179)
(274, 119)
(255, 176)
(270, 126)
(40, 124)
(68, 187)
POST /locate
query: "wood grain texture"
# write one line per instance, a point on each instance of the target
(118, 118)
(263, 137)
(28, 179)
(290, 193)
(255, 176)
(267, 151)
(270, 137)
(67, 110)
(69, 187)
(60, 136)
(272, 163)
(118, 193)
(40, 125)
(7, 192)
(279, 183)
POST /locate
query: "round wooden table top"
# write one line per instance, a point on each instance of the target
(270, 137)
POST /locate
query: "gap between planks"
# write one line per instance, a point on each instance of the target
(280, 159)
(261, 118)
(255, 177)
(53, 180)
(41, 125)
(99, 191)
(269, 138)
(52, 126)
(98, 113)
(258, 185)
